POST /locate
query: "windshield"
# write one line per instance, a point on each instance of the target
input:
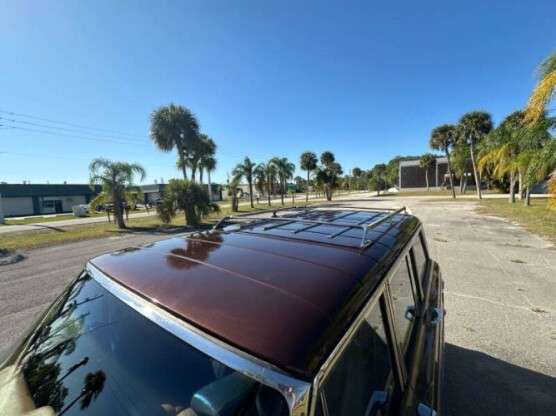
(95, 355)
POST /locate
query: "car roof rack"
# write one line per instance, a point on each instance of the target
(279, 221)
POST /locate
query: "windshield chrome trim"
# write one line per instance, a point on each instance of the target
(295, 392)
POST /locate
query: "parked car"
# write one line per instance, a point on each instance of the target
(316, 312)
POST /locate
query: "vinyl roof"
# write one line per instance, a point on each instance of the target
(283, 297)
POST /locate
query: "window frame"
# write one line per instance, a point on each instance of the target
(420, 278)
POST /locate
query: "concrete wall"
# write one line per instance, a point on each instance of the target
(17, 206)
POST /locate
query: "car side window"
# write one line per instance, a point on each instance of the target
(419, 256)
(403, 294)
(363, 368)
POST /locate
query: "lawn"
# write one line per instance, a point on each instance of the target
(25, 240)
(539, 219)
(446, 192)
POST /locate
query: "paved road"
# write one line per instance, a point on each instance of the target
(500, 286)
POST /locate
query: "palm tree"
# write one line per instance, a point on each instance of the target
(175, 126)
(246, 169)
(503, 145)
(233, 189)
(472, 129)
(285, 171)
(331, 169)
(209, 164)
(116, 178)
(93, 386)
(427, 161)
(266, 175)
(461, 165)
(544, 90)
(308, 162)
(208, 148)
(188, 197)
(443, 139)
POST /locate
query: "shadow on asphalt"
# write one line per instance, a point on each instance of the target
(478, 384)
(61, 230)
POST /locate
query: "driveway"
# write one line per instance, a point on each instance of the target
(501, 308)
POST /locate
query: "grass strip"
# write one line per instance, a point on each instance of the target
(48, 236)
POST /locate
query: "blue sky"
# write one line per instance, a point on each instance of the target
(367, 80)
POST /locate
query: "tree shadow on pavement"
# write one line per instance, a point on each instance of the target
(478, 384)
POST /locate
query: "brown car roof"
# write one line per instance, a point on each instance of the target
(285, 298)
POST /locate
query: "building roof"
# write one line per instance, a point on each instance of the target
(416, 162)
(27, 190)
(285, 298)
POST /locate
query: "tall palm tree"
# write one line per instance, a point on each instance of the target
(472, 129)
(443, 139)
(116, 178)
(331, 169)
(208, 147)
(245, 169)
(285, 171)
(93, 386)
(175, 126)
(265, 174)
(427, 162)
(544, 91)
(209, 165)
(308, 162)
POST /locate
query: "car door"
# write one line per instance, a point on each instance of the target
(363, 380)
(423, 359)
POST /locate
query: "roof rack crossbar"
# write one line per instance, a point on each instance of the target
(308, 227)
(364, 241)
(337, 233)
(279, 224)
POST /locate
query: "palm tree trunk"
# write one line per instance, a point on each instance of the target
(427, 178)
(512, 188)
(451, 175)
(268, 184)
(527, 202)
(193, 171)
(307, 188)
(282, 190)
(182, 159)
(520, 187)
(201, 176)
(117, 207)
(209, 186)
(475, 171)
(251, 192)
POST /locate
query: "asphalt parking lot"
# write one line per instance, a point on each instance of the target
(499, 294)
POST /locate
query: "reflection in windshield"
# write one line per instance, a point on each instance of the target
(92, 354)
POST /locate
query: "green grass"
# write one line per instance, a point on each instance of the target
(447, 192)
(26, 240)
(538, 218)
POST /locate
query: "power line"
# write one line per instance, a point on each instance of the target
(68, 124)
(41, 156)
(65, 129)
(93, 139)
